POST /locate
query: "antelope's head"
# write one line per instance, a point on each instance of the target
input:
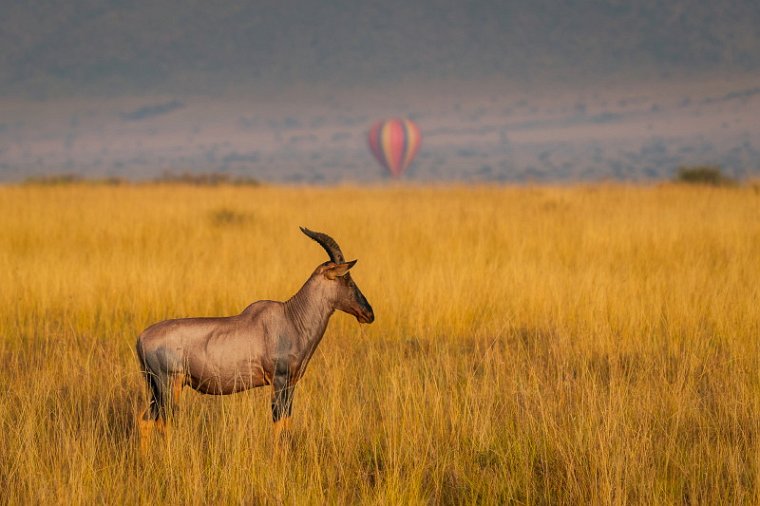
(343, 291)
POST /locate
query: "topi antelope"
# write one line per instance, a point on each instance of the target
(269, 343)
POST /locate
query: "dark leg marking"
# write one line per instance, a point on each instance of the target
(154, 403)
(282, 394)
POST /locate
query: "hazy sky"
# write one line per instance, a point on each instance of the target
(92, 46)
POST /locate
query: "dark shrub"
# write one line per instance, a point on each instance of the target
(703, 174)
(226, 216)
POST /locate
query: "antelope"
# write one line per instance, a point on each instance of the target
(269, 343)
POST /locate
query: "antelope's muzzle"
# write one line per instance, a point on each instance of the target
(365, 314)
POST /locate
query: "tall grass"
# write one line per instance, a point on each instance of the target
(595, 344)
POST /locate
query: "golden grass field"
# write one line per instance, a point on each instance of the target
(543, 345)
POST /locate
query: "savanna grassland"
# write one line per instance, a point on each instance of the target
(574, 345)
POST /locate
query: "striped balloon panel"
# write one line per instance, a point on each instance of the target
(394, 143)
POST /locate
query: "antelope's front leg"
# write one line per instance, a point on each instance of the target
(282, 402)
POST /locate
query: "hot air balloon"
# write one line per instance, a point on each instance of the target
(394, 142)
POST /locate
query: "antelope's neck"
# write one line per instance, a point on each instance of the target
(309, 311)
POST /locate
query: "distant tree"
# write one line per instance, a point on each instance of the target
(53, 179)
(703, 174)
(205, 179)
(68, 178)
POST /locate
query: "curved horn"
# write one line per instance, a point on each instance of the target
(328, 243)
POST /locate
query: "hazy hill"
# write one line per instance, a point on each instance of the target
(285, 91)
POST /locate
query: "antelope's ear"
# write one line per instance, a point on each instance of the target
(339, 269)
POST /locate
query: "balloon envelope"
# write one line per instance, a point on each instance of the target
(394, 142)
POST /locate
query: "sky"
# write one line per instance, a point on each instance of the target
(285, 91)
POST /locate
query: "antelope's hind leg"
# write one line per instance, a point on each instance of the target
(164, 393)
(171, 403)
(149, 419)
